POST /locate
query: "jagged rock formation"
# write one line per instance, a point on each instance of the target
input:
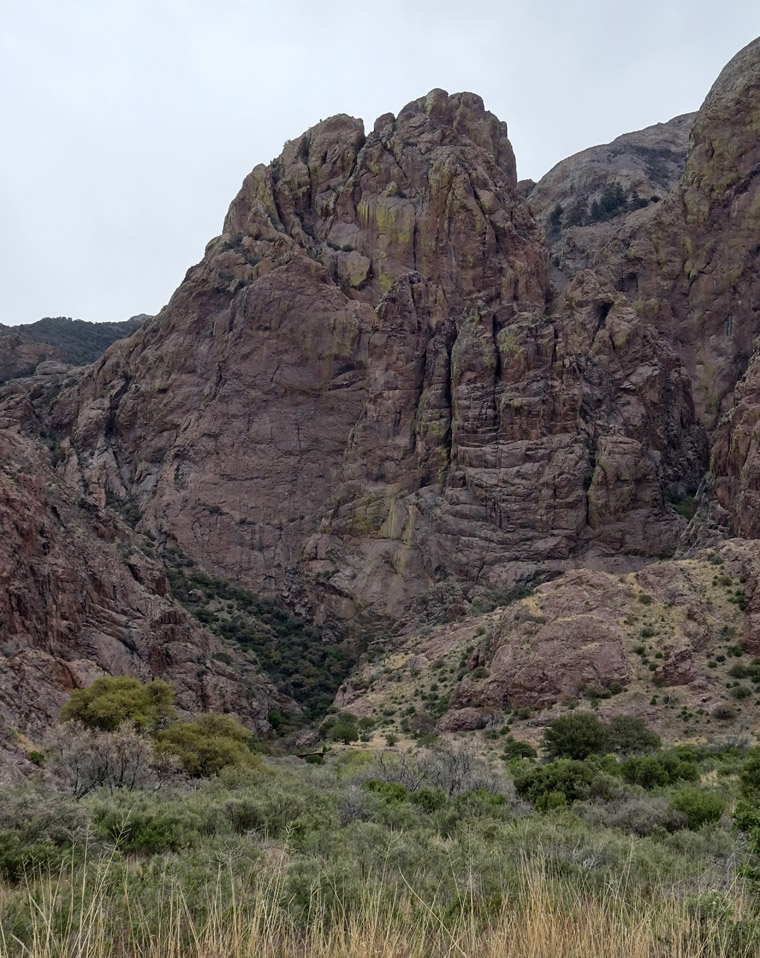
(355, 394)
(398, 380)
(81, 595)
(670, 643)
(585, 199)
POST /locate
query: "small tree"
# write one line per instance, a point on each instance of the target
(208, 744)
(555, 219)
(341, 728)
(111, 701)
(629, 734)
(575, 736)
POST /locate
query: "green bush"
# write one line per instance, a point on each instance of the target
(390, 792)
(145, 824)
(656, 771)
(37, 830)
(568, 776)
(428, 799)
(629, 734)
(208, 744)
(516, 748)
(575, 736)
(749, 780)
(111, 701)
(700, 806)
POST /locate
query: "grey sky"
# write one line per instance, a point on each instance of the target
(129, 124)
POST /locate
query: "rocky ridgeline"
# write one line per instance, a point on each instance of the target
(401, 379)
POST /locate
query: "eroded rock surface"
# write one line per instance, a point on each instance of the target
(359, 390)
(81, 597)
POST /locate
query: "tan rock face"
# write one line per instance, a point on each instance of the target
(355, 394)
(643, 167)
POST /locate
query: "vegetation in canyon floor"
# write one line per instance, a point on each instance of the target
(628, 849)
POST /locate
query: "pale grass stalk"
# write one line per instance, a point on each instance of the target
(545, 919)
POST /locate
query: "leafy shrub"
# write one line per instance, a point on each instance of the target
(111, 701)
(654, 771)
(700, 806)
(749, 780)
(428, 799)
(575, 736)
(516, 748)
(573, 779)
(37, 830)
(390, 792)
(146, 825)
(208, 744)
(629, 734)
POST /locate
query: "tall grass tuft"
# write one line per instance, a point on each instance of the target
(87, 912)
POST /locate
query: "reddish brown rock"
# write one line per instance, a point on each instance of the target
(462, 720)
(80, 598)
(355, 394)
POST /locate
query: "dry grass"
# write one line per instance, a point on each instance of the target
(71, 918)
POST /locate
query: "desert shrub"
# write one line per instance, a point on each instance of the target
(571, 778)
(655, 771)
(456, 768)
(724, 712)
(575, 736)
(629, 734)
(749, 780)
(208, 744)
(357, 805)
(644, 816)
(390, 792)
(111, 701)
(146, 825)
(515, 748)
(37, 830)
(700, 806)
(84, 759)
(428, 799)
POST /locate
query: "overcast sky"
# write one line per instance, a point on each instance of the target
(128, 125)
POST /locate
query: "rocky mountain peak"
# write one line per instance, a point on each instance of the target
(399, 382)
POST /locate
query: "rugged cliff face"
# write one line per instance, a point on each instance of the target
(398, 381)
(588, 198)
(82, 595)
(355, 394)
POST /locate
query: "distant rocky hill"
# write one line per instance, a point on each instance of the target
(401, 389)
(63, 340)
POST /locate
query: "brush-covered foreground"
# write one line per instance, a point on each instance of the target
(366, 855)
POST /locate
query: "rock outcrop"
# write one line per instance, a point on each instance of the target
(671, 643)
(589, 197)
(355, 394)
(82, 596)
